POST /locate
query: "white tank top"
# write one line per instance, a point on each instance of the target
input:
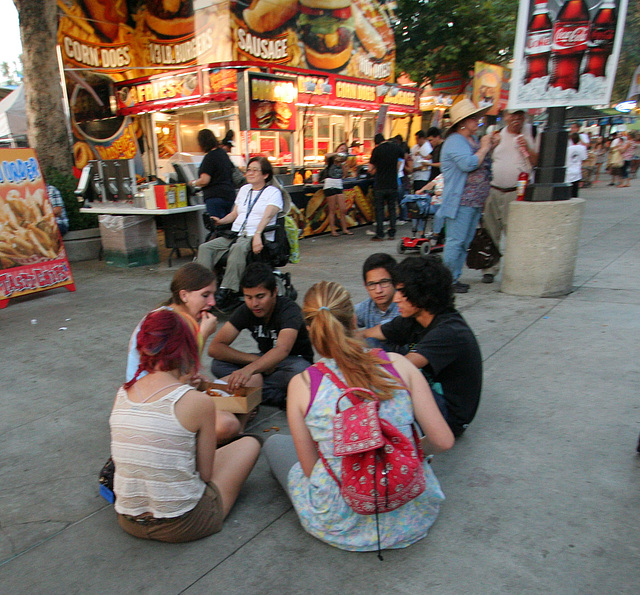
(155, 457)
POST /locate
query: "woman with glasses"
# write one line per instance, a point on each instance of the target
(256, 206)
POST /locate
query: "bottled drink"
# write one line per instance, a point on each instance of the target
(600, 46)
(570, 36)
(523, 180)
(538, 45)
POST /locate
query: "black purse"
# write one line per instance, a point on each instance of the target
(482, 252)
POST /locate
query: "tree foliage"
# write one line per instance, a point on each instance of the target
(436, 37)
(11, 73)
(629, 53)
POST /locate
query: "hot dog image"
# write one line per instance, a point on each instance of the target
(267, 15)
(326, 28)
(372, 28)
(316, 214)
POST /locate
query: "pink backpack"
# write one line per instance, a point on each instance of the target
(381, 467)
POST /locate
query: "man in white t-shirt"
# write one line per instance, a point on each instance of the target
(515, 153)
(256, 207)
(421, 153)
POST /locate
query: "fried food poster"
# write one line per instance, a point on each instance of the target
(32, 255)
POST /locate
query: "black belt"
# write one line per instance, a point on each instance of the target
(505, 189)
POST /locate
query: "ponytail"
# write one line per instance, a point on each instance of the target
(329, 314)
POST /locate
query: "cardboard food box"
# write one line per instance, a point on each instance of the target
(242, 400)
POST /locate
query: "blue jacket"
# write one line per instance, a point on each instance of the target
(457, 160)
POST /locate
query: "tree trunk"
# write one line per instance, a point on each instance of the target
(47, 130)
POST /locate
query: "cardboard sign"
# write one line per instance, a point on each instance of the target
(32, 255)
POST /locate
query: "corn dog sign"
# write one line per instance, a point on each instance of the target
(32, 255)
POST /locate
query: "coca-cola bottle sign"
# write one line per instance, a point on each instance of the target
(571, 37)
(538, 43)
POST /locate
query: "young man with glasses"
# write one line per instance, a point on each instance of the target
(377, 272)
(435, 338)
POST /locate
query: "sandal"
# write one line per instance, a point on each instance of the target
(346, 232)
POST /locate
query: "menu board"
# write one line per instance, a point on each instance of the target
(272, 102)
(32, 255)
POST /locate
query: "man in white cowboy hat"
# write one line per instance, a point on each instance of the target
(463, 157)
(514, 155)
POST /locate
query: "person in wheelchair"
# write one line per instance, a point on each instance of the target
(256, 207)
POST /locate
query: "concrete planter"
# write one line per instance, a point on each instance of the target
(83, 244)
(542, 246)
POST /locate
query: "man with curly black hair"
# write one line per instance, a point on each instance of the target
(436, 338)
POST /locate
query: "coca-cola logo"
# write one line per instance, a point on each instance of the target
(570, 37)
(538, 43)
(603, 34)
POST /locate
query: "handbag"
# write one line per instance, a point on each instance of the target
(482, 252)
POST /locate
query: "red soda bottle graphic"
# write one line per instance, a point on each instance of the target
(570, 36)
(538, 45)
(600, 46)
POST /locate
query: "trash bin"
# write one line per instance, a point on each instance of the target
(129, 240)
(542, 246)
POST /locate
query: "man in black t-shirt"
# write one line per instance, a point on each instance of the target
(384, 164)
(436, 338)
(276, 323)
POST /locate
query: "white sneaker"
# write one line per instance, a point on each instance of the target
(370, 232)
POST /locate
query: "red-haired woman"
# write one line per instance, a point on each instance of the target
(171, 483)
(311, 402)
(192, 296)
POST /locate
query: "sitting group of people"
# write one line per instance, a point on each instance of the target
(180, 464)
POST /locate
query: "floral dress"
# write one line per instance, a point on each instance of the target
(323, 512)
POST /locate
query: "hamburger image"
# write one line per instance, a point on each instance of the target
(326, 28)
(170, 18)
(282, 114)
(265, 114)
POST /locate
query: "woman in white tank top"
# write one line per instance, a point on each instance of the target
(171, 483)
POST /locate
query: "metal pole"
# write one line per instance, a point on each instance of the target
(550, 170)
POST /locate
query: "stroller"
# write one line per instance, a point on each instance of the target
(422, 212)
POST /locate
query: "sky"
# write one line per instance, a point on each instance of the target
(10, 48)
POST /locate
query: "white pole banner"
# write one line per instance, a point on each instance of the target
(634, 87)
(566, 52)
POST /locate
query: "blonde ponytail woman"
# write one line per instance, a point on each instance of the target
(405, 397)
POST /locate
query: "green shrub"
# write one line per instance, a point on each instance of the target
(67, 184)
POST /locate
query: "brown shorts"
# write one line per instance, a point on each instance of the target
(203, 520)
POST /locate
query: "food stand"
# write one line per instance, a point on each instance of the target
(143, 87)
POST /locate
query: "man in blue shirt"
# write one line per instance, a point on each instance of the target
(377, 272)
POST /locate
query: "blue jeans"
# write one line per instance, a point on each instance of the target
(460, 232)
(218, 207)
(274, 389)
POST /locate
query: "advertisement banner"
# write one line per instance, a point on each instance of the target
(566, 52)
(105, 42)
(32, 255)
(272, 102)
(487, 86)
(349, 38)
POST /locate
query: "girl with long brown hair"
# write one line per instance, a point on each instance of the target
(405, 397)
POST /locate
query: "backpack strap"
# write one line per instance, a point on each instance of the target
(347, 391)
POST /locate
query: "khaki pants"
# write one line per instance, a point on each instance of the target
(203, 520)
(211, 252)
(494, 219)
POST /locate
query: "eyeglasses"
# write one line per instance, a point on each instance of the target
(384, 284)
(255, 169)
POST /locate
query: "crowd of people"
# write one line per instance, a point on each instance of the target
(180, 463)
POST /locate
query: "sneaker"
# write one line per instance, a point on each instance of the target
(226, 299)
(370, 232)
(376, 239)
(401, 222)
(487, 278)
(459, 287)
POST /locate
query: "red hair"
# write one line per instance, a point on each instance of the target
(165, 342)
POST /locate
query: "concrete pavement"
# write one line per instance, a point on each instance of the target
(542, 491)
